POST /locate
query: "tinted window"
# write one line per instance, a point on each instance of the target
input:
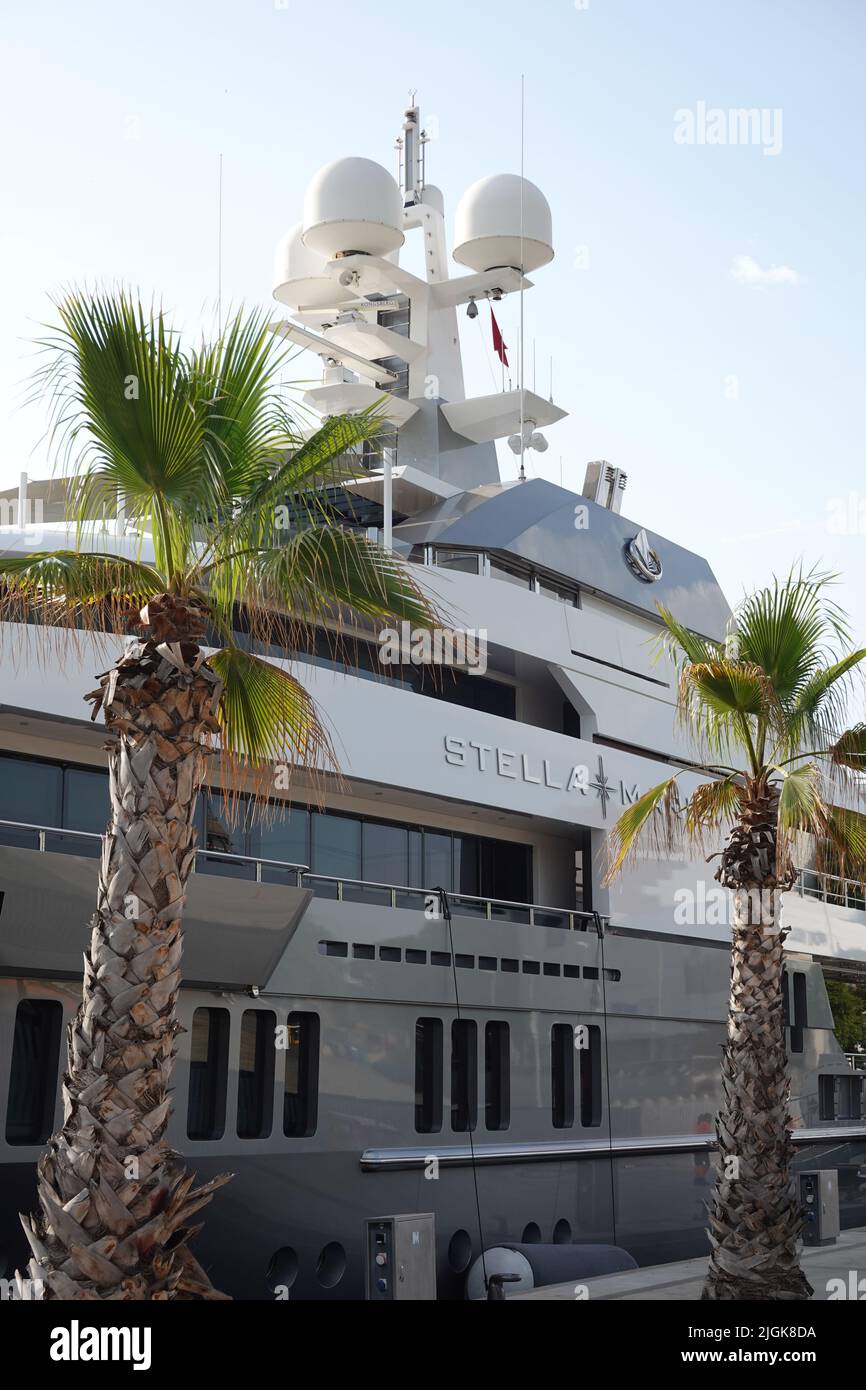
(467, 869)
(464, 1075)
(86, 802)
(286, 837)
(208, 1074)
(562, 1075)
(336, 847)
(497, 1076)
(225, 826)
(256, 1074)
(437, 860)
(33, 1073)
(428, 1075)
(590, 1077)
(301, 1088)
(386, 853)
(29, 792)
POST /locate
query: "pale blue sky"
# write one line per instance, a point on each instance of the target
(115, 116)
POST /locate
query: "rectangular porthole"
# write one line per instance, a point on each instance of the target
(486, 962)
(301, 1087)
(571, 972)
(440, 958)
(497, 1076)
(334, 948)
(33, 1073)
(531, 967)
(590, 1079)
(562, 1075)
(391, 953)
(509, 965)
(428, 1075)
(464, 1075)
(362, 952)
(415, 957)
(464, 962)
(256, 1074)
(550, 968)
(208, 1074)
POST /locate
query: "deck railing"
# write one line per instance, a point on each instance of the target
(856, 1060)
(55, 839)
(830, 888)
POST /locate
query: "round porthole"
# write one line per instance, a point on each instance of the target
(331, 1265)
(562, 1233)
(460, 1251)
(283, 1269)
(531, 1234)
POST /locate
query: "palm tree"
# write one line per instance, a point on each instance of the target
(202, 452)
(767, 709)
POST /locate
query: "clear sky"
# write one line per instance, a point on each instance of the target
(706, 308)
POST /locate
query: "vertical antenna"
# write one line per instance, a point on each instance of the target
(220, 255)
(522, 155)
(551, 379)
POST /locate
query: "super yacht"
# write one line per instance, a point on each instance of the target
(430, 929)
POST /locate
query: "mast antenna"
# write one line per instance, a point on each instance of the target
(522, 259)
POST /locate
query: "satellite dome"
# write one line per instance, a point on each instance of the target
(353, 205)
(298, 278)
(487, 226)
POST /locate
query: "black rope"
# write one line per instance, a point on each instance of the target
(445, 908)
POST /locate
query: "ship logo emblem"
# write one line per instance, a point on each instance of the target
(642, 559)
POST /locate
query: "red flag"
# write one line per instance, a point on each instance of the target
(498, 341)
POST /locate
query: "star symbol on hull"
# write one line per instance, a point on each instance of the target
(601, 785)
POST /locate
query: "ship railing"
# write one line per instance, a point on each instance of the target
(253, 868)
(831, 889)
(856, 1060)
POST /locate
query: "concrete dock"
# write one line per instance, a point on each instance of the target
(834, 1271)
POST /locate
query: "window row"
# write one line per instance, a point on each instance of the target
(509, 570)
(333, 844)
(508, 965)
(571, 1084)
(262, 1039)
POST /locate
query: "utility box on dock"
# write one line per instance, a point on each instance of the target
(401, 1258)
(819, 1203)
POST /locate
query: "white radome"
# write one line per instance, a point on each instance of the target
(353, 205)
(487, 225)
(299, 281)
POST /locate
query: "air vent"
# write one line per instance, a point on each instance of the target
(605, 484)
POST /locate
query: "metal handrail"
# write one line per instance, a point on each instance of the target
(856, 898)
(304, 872)
(856, 1060)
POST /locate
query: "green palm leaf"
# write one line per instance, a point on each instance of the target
(267, 716)
(655, 819)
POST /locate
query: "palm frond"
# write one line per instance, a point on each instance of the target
(268, 719)
(75, 589)
(124, 417)
(247, 425)
(654, 820)
(712, 806)
(790, 629)
(849, 749)
(325, 459)
(325, 568)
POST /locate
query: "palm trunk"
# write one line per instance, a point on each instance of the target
(115, 1200)
(754, 1217)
